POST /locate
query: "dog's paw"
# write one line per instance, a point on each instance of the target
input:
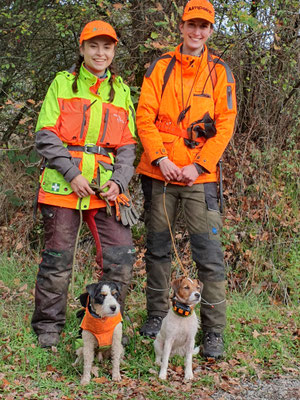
(158, 361)
(85, 381)
(116, 377)
(188, 376)
(163, 375)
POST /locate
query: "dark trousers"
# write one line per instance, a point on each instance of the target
(204, 224)
(115, 254)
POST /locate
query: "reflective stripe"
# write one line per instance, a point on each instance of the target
(83, 121)
(229, 98)
(227, 69)
(105, 125)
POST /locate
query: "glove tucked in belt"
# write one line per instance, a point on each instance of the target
(125, 211)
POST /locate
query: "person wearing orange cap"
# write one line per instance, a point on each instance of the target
(185, 119)
(86, 135)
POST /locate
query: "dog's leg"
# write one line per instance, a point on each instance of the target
(165, 358)
(188, 373)
(79, 353)
(89, 344)
(158, 347)
(116, 352)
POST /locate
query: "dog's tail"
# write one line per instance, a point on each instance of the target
(196, 350)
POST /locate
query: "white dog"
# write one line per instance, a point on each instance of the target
(179, 327)
(101, 328)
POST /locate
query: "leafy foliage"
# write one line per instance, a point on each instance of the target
(40, 38)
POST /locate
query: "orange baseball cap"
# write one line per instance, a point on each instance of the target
(97, 28)
(199, 9)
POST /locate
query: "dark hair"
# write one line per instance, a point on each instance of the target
(77, 71)
(112, 69)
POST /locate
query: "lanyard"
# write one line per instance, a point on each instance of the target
(186, 108)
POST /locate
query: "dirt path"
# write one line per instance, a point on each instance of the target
(285, 388)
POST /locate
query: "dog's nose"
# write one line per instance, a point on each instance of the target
(113, 308)
(197, 295)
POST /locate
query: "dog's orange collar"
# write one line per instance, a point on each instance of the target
(181, 309)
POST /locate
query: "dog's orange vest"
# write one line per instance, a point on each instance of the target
(101, 328)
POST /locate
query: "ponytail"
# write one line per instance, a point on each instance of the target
(77, 72)
(112, 78)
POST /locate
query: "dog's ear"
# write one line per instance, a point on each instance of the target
(83, 299)
(91, 289)
(200, 284)
(176, 284)
(118, 286)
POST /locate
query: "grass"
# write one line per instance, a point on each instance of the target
(260, 342)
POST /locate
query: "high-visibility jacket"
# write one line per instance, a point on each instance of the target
(82, 133)
(101, 328)
(158, 112)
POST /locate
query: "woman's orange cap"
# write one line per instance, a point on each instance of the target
(97, 28)
(199, 9)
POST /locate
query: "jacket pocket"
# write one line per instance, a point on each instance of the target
(53, 182)
(114, 121)
(74, 120)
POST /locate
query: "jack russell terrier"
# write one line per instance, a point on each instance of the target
(179, 327)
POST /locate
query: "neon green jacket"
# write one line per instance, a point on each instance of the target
(82, 133)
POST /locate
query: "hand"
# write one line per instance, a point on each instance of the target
(113, 191)
(80, 186)
(169, 170)
(188, 174)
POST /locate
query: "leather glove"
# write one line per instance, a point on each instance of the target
(125, 211)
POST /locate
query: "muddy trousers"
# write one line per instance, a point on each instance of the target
(203, 221)
(113, 246)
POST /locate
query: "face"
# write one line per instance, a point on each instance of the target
(98, 54)
(187, 290)
(195, 33)
(103, 298)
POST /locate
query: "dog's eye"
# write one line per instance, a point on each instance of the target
(186, 287)
(103, 294)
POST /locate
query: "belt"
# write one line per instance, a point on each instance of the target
(91, 149)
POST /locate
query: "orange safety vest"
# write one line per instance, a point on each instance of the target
(101, 328)
(161, 103)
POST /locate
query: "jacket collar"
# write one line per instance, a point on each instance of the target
(92, 80)
(187, 59)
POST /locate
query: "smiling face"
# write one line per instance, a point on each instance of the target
(98, 54)
(195, 33)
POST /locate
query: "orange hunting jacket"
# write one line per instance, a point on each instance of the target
(101, 328)
(157, 113)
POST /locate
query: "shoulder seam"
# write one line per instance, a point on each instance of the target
(229, 74)
(152, 66)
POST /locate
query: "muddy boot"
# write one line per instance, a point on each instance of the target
(152, 326)
(213, 345)
(48, 339)
(213, 318)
